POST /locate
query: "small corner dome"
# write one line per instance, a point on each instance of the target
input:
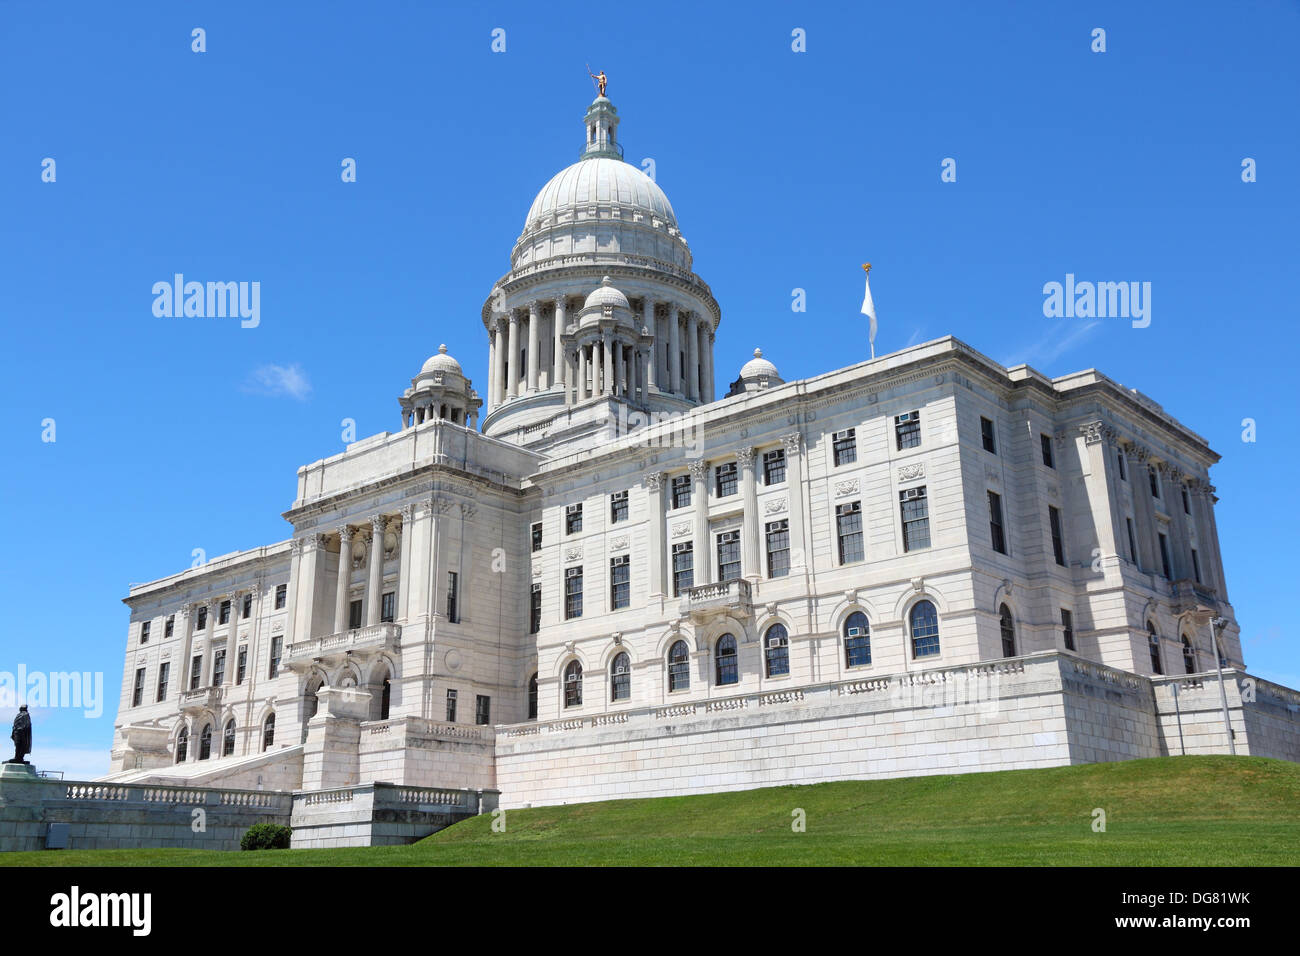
(604, 295)
(442, 362)
(759, 367)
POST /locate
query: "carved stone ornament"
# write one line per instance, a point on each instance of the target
(911, 472)
(793, 442)
(654, 481)
(846, 487)
(774, 506)
(619, 544)
(699, 469)
(573, 554)
(681, 530)
(745, 457)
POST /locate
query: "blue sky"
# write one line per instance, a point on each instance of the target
(786, 170)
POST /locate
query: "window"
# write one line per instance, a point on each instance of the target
(681, 489)
(246, 610)
(776, 650)
(1123, 468)
(202, 621)
(241, 665)
(137, 694)
(1153, 643)
(182, 745)
(683, 567)
(845, 447)
(857, 640)
(482, 709)
(196, 671)
(281, 598)
(387, 607)
(451, 706)
(777, 535)
(535, 610)
(386, 699)
(453, 597)
(354, 614)
(848, 528)
(986, 435)
(1164, 555)
(1008, 628)
(268, 732)
(169, 626)
(1067, 628)
(1058, 549)
(1187, 505)
(144, 633)
(916, 518)
(1196, 566)
(618, 507)
(573, 519)
(277, 647)
(537, 536)
(1045, 442)
(1189, 656)
(205, 742)
(620, 677)
(728, 556)
(620, 587)
(679, 667)
(725, 478)
(223, 613)
(573, 685)
(726, 668)
(907, 430)
(219, 668)
(995, 523)
(1132, 541)
(924, 623)
(774, 467)
(572, 593)
(532, 697)
(164, 673)
(1153, 478)
(228, 739)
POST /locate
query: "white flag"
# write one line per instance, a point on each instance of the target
(869, 307)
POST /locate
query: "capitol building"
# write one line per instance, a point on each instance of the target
(626, 566)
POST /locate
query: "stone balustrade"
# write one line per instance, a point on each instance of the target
(373, 638)
(201, 699)
(707, 600)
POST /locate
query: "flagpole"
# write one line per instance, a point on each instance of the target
(867, 301)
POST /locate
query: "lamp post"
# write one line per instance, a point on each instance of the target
(1216, 623)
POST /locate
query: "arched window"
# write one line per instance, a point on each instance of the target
(924, 621)
(857, 640)
(532, 697)
(205, 742)
(1008, 628)
(620, 677)
(1153, 642)
(776, 650)
(1189, 655)
(726, 666)
(679, 667)
(313, 702)
(228, 739)
(182, 745)
(385, 699)
(573, 685)
(268, 731)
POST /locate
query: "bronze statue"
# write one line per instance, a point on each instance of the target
(21, 735)
(600, 79)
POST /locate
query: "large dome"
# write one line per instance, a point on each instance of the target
(600, 182)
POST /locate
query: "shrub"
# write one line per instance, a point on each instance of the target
(266, 836)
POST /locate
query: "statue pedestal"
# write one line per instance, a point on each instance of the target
(17, 771)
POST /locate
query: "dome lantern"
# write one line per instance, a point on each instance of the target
(601, 122)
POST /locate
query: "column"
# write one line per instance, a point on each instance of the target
(656, 344)
(1144, 513)
(492, 369)
(655, 490)
(710, 394)
(305, 584)
(534, 324)
(180, 672)
(214, 615)
(794, 484)
(692, 384)
(561, 360)
(582, 373)
(703, 539)
(751, 567)
(345, 575)
(499, 371)
(376, 585)
(512, 357)
(607, 366)
(674, 351)
(620, 369)
(569, 384)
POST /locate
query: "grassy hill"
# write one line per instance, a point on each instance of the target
(1171, 811)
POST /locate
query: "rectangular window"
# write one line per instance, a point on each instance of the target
(618, 507)
(223, 613)
(725, 480)
(1164, 555)
(1196, 566)
(219, 668)
(354, 614)
(986, 435)
(774, 467)
(144, 632)
(451, 706)
(682, 491)
(1045, 441)
(196, 671)
(1123, 468)
(388, 607)
(620, 583)
(482, 709)
(281, 596)
(537, 536)
(907, 430)
(573, 519)
(241, 665)
(916, 518)
(247, 610)
(728, 556)
(778, 548)
(277, 648)
(1153, 478)
(1132, 541)
(998, 536)
(535, 610)
(845, 446)
(848, 528)
(683, 567)
(1187, 505)
(453, 597)
(169, 626)
(572, 593)
(137, 693)
(164, 672)
(201, 621)
(1067, 628)
(1058, 548)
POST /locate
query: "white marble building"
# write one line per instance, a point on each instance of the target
(636, 579)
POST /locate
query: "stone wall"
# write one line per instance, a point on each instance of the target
(425, 753)
(381, 814)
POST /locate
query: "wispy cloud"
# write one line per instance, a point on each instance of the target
(914, 337)
(279, 381)
(1059, 340)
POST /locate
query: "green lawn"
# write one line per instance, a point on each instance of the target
(1172, 811)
